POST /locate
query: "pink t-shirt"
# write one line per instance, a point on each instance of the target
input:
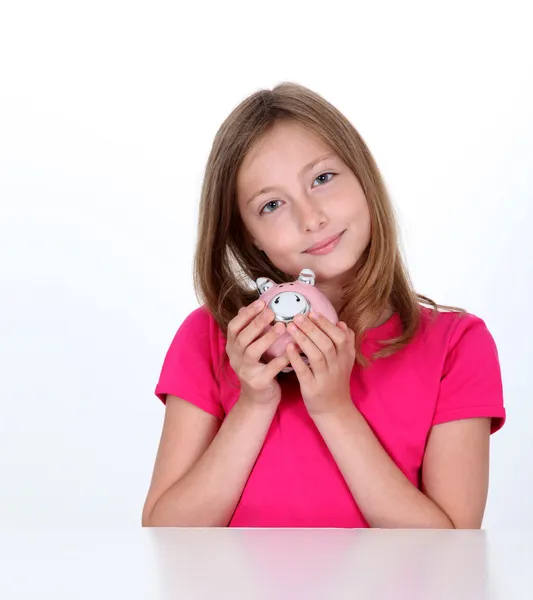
(449, 371)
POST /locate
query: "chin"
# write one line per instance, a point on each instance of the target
(330, 266)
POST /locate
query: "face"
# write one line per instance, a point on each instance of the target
(294, 192)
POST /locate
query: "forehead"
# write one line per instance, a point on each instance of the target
(285, 148)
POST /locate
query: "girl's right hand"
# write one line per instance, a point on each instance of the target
(245, 346)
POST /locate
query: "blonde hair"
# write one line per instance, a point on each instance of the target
(226, 261)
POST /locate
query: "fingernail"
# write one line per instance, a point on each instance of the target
(313, 315)
(258, 304)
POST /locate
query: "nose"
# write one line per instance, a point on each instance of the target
(311, 216)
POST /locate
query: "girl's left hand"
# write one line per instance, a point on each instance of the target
(330, 349)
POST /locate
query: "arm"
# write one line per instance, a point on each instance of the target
(454, 473)
(201, 466)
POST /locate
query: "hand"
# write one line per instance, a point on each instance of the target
(246, 345)
(330, 349)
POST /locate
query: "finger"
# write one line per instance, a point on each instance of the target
(349, 332)
(350, 337)
(315, 356)
(303, 372)
(256, 350)
(275, 365)
(319, 337)
(254, 328)
(331, 330)
(243, 318)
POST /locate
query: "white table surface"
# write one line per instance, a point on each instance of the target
(188, 564)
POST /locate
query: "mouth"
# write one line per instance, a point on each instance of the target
(324, 246)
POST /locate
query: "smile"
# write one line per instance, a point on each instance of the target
(326, 246)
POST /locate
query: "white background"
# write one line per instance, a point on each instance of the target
(107, 113)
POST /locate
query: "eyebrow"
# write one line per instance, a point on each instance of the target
(303, 170)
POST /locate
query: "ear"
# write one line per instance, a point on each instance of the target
(263, 284)
(256, 244)
(307, 276)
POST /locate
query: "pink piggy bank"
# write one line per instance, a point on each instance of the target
(288, 300)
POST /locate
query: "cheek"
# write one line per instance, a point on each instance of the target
(276, 234)
(359, 219)
(363, 214)
(362, 222)
(279, 244)
(267, 243)
(359, 209)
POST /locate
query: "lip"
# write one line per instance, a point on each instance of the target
(327, 244)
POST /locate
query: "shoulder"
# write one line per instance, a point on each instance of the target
(193, 334)
(200, 319)
(200, 324)
(454, 331)
(191, 363)
(200, 332)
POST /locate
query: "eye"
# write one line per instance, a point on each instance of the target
(272, 205)
(269, 206)
(324, 175)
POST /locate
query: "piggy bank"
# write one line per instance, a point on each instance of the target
(288, 300)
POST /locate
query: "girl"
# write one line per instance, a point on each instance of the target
(389, 423)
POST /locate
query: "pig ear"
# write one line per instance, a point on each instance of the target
(263, 284)
(307, 276)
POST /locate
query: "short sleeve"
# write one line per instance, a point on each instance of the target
(188, 370)
(471, 383)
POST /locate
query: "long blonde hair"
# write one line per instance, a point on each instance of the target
(226, 262)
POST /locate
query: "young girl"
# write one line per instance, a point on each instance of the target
(389, 423)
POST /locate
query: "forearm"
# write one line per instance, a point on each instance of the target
(208, 494)
(383, 493)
